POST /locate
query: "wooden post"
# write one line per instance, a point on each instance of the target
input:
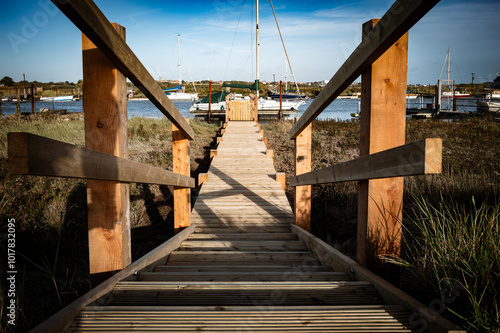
(270, 152)
(105, 114)
(281, 177)
(280, 115)
(228, 107)
(213, 152)
(265, 141)
(18, 103)
(202, 177)
(302, 165)
(383, 117)
(181, 165)
(33, 99)
(209, 100)
(255, 108)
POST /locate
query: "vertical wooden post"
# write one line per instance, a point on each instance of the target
(302, 165)
(181, 165)
(280, 115)
(228, 107)
(105, 114)
(209, 100)
(383, 120)
(281, 177)
(18, 103)
(255, 108)
(32, 98)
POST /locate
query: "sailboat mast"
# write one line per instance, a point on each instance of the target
(179, 63)
(257, 47)
(448, 65)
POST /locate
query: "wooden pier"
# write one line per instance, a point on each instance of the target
(243, 259)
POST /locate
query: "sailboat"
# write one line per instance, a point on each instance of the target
(452, 93)
(177, 93)
(268, 104)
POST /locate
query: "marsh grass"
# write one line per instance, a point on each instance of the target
(450, 220)
(453, 249)
(51, 213)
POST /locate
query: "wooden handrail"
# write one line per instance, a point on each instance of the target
(417, 158)
(92, 22)
(394, 24)
(30, 154)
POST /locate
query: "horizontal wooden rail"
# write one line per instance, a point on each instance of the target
(92, 22)
(395, 23)
(417, 158)
(30, 154)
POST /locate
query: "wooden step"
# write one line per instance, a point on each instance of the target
(243, 268)
(243, 293)
(227, 257)
(345, 318)
(242, 245)
(243, 236)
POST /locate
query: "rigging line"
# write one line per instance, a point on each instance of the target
(444, 63)
(222, 35)
(169, 61)
(456, 67)
(232, 44)
(286, 53)
(189, 71)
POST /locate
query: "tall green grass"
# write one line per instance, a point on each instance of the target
(453, 249)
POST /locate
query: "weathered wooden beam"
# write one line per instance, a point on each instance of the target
(30, 154)
(416, 158)
(394, 24)
(94, 24)
(60, 321)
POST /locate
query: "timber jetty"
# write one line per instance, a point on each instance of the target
(243, 257)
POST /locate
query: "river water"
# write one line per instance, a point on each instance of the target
(339, 109)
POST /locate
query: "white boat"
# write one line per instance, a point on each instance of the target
(490, 107)
(219, 103)
(57, 98)
(177, 93)
(451, 94)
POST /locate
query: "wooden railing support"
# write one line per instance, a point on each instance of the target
(383, 120)
(302, 208)
(181, 165)
(281, 177)
(105, 117)
(202, 177)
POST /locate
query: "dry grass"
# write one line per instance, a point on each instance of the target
(51, 213)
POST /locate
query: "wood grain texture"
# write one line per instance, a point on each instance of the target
(302, 208)
(382, 126)
(30, 154)
(416, 158)
(105, 118)
(395, 23)
(92, 22)
(181, 165)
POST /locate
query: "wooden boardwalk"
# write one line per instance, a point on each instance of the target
(242, 267)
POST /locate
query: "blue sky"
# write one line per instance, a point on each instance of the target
(218, 40)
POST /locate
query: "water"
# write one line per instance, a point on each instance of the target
(339, 109)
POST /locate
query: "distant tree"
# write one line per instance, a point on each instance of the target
(7, 80)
